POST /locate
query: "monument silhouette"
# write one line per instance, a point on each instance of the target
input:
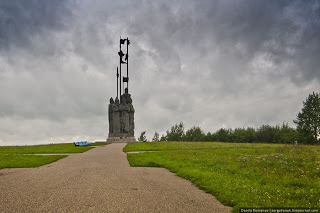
(121, 113)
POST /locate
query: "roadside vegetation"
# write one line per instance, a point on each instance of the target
(241, 174)
(50, 148)
(26, 161)
(26, 156)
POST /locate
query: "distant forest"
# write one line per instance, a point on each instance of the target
(264, 134)
(307, 131)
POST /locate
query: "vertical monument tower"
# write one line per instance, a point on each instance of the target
(121, 113)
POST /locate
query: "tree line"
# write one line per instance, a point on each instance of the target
(264, 134)
(307, 131)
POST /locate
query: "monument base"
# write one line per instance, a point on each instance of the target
(121, 138)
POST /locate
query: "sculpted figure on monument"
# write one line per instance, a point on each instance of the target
(124, 108)
(131, 119)
(116, 116)
(127, 96)
(110, 110)
(130, 110)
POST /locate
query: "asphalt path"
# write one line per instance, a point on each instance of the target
(100, 180)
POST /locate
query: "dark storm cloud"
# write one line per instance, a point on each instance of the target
(229, 50)
(208, 63)
(286, 31)
(278, 36)
(21, 19)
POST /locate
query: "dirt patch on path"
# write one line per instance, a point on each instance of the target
(100, 180)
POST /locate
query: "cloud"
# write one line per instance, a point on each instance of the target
(207, 63)
(20, 20)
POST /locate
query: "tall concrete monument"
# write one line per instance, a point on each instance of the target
(121, 113)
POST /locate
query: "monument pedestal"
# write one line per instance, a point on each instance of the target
(121, 138)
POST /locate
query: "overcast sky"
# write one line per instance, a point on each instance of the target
(208, 63)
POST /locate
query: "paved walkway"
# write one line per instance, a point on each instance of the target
(100, 180)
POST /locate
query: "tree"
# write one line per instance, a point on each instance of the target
(163, 138)
(223, 135)
(288, 134)
(143, 136)
(308, 120)
(176, 133)
(195, 134)
(155, 137)
(266, 134)
(208, 137)
(240, 135)
(251, 135)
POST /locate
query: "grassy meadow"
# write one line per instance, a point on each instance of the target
(27, 161)
(25, 156)
(240, 175)
(50, 148)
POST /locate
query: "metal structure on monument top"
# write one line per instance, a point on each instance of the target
(123, 61)
(121, 113)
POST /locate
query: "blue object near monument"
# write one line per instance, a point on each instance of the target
(81, 143)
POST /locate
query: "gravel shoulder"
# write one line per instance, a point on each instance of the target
(100, 180)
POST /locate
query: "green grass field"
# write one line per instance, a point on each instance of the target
(15, 156)
(50, 148)
(241, 175)
(26, 161)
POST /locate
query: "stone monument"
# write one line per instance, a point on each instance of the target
(121, 113)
